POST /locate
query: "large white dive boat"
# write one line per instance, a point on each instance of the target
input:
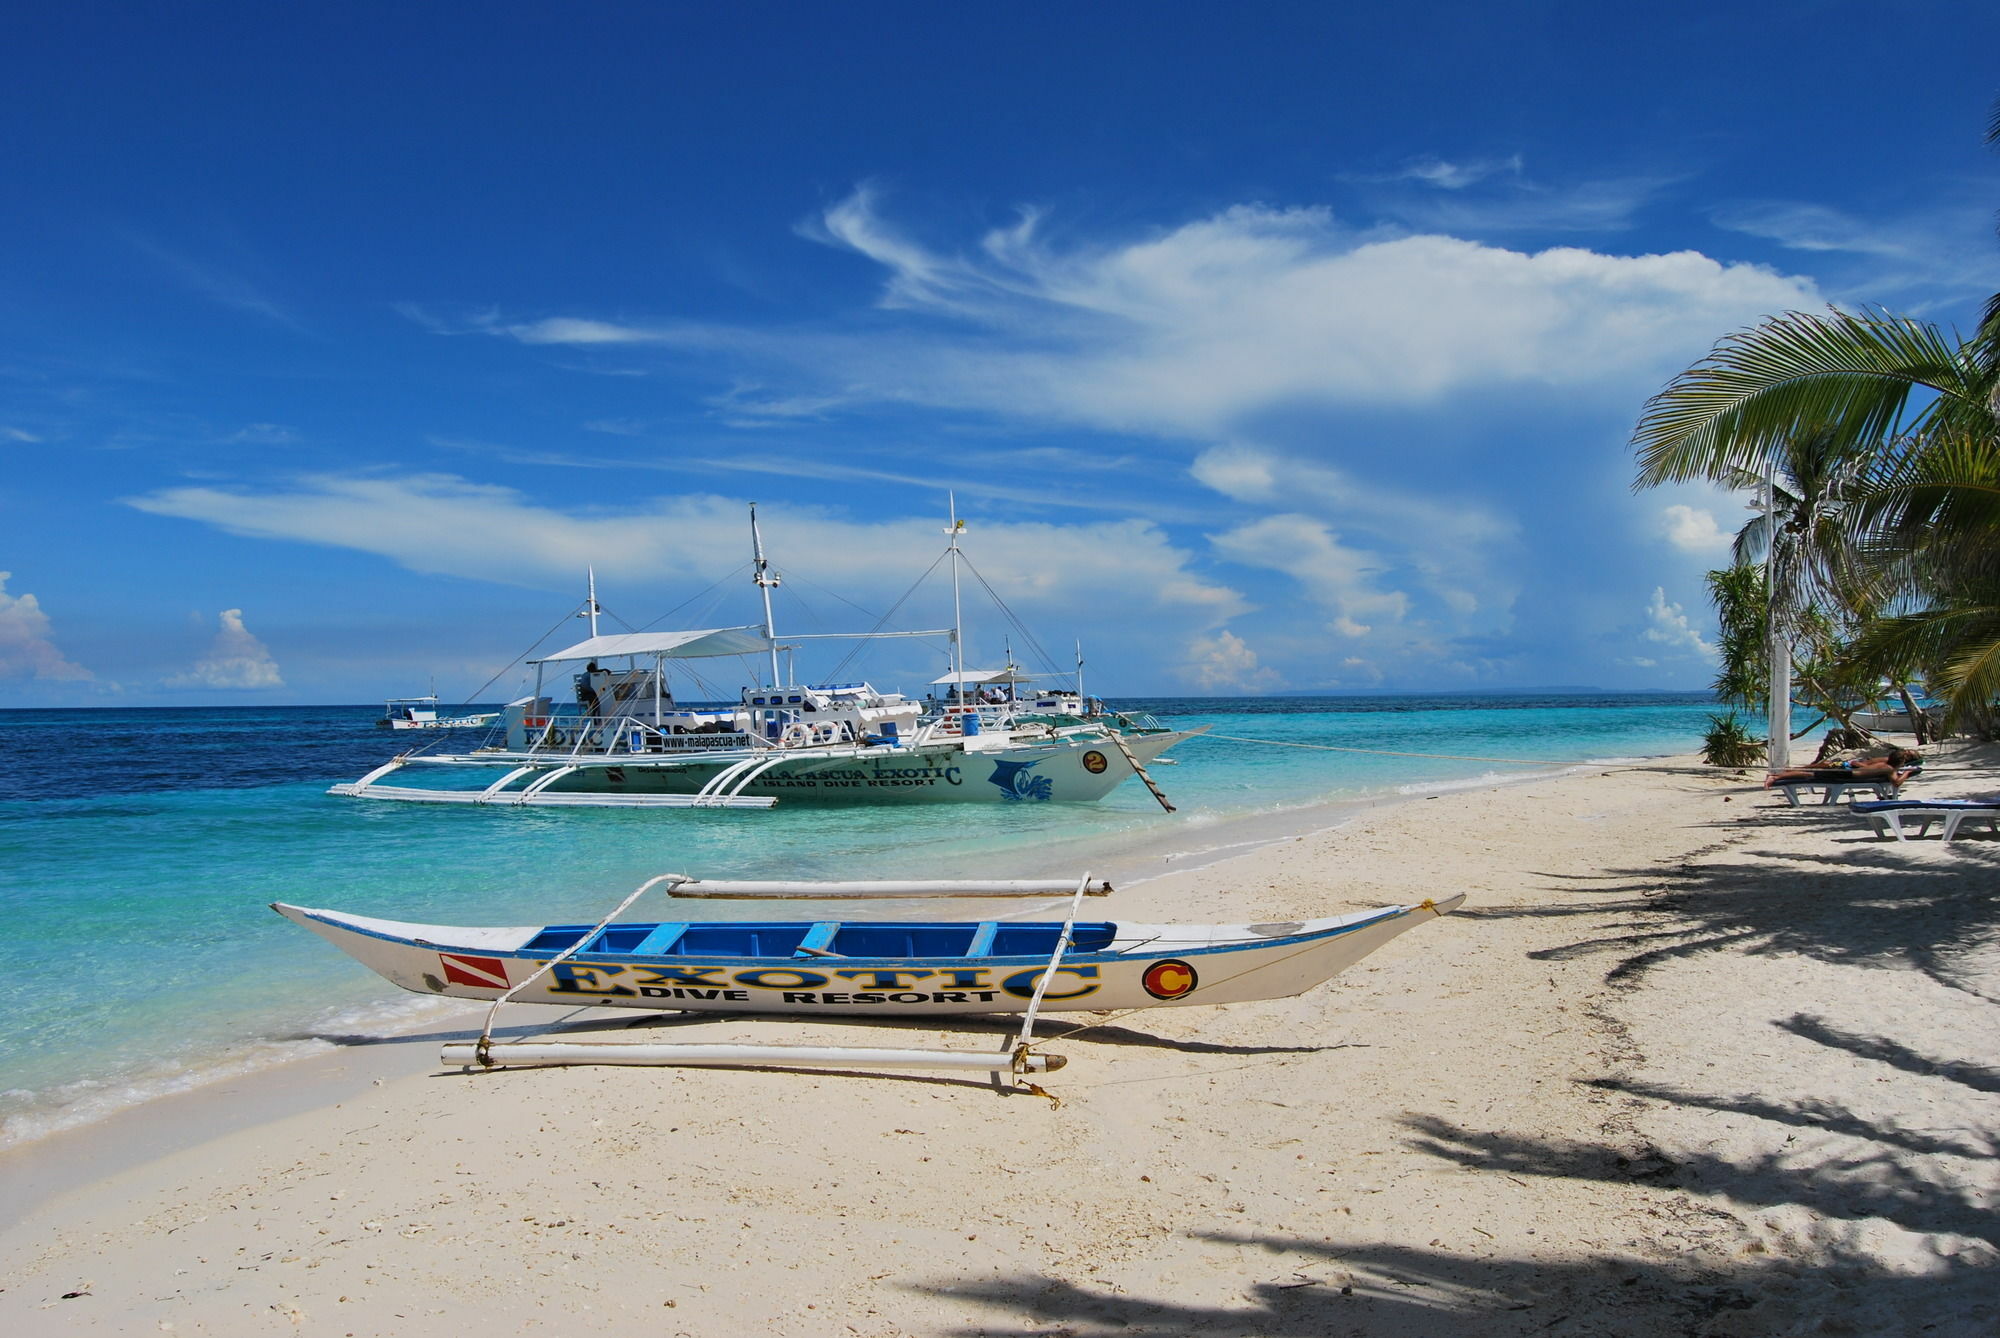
(619, 739)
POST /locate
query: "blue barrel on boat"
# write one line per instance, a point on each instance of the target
(971, 725)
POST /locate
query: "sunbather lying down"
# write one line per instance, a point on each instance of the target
(1897, 767)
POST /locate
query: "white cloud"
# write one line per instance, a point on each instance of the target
(1454, 550)
(235, 659)
(263, 434)
(216, 283)
(1343, 579)
(1224, 663)
(1693, 529)
(442, 524)
(1192, 330)
(18, 434)
(1449, 175)
(1925, 257)
(26, 647)
(1667, 625)
(1196, 329)
(569, 330)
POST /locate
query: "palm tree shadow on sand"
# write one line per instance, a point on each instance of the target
(1854, 904)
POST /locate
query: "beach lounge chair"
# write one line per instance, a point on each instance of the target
(1837, 784)
(1890, 815)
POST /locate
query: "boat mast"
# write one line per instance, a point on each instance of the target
(956, 528)
(765, 579)
(590, 604)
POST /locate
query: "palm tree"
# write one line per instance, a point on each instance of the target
(1894, 431)
(1885, 433)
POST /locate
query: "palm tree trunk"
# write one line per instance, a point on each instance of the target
(1920, 723)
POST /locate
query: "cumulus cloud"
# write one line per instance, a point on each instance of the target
(27, 650)
(236, 659)
(1693, 529)
(1224, 663)
(1196, 329)
(1667, 625)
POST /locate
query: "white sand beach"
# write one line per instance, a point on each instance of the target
(1688, 1062)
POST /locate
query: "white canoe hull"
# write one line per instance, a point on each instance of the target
(1140, 966)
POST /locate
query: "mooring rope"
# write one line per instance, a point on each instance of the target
(1385, 752)
(483, 1050)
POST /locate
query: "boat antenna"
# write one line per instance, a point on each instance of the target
(956, 528)
(765, 578)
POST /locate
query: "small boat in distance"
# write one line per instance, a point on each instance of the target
(422, 713)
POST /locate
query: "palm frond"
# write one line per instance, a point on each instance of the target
(1854, 376)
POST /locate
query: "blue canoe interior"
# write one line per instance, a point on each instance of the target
(824, 938)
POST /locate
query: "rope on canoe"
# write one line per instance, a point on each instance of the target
(1385, 752)
(1025, 1040)
(484, 1050)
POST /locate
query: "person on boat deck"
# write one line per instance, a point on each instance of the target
(586, 690)
(1897, 767)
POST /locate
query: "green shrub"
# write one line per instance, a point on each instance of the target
(1729, 744)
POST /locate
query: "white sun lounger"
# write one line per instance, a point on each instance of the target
(1835, 790)
(1890, 816)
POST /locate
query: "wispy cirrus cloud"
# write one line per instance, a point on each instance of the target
(1480, 196)
(1442, 173)
(1916, 258)
(445, 525)
(215, 281)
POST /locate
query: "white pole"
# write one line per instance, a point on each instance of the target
(469, 1054)
(765, 580)
(957, 616)
(1778, 751)
(591, 573)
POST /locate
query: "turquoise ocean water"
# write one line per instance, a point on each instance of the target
(138, 851)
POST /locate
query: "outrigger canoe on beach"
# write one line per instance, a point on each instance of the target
(844, 968)
(867, 967)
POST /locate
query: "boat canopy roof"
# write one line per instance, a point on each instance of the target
(669, 645)
(983, 676)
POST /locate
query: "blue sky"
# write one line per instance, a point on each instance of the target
(1267, 346)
